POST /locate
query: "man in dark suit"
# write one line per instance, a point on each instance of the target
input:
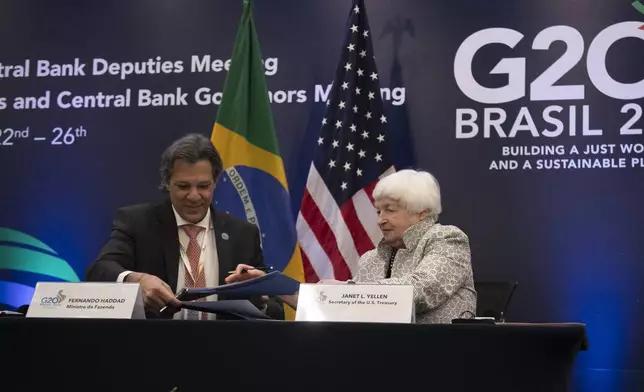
(182, 242)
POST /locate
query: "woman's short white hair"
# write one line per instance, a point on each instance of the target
(416, 191)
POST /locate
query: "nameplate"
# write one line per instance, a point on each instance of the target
(87, 300)
(356, 303)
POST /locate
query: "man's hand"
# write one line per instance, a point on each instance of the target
(156, 293)
(239, 275)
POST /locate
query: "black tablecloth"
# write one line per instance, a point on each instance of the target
(170, 355)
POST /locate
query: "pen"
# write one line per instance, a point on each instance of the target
(178, 296)
(265, 269)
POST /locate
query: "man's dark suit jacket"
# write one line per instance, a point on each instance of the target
(145, 239)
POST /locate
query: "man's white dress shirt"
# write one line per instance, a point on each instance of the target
(208, 259)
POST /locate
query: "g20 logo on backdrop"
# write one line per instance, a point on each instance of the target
(546, 86)
(25, 260)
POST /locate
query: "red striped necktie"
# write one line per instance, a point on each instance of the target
(197, 278)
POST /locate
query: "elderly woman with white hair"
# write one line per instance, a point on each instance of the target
(418, 251)
(415, 250)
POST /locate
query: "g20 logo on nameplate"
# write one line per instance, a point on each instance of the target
(355, 303)
(54, 301)
(87, 300)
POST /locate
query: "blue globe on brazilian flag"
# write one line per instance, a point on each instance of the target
(25, 260)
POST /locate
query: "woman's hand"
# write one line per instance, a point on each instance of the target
(244, 272)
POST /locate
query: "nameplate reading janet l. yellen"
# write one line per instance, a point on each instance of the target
(356, 302)
(87, 300)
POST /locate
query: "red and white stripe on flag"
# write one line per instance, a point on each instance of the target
(337, 222)
(332, 237)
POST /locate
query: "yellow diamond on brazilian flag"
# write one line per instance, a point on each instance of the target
(254, 185)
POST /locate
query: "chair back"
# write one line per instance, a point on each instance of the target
(493, 298)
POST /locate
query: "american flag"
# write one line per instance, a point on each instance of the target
(337, 221)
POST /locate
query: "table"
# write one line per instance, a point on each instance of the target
(178, 356)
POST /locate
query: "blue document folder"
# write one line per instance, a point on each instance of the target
(237, 307)
(272, 284)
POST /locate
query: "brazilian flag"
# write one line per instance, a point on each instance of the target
(254, 185)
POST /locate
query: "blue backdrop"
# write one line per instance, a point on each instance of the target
(464, 81)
